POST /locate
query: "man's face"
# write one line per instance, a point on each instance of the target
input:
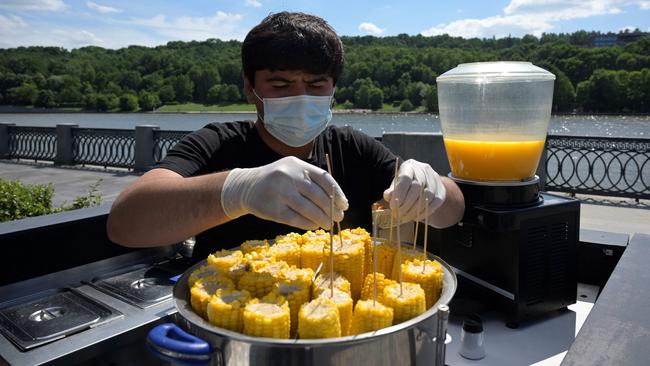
(276, 84)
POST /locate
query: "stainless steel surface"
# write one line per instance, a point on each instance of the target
(50, 315)
(441, 334)
(142, 286)
(408, 343)
(101, 344)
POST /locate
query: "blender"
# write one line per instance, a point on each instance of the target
(515, 246)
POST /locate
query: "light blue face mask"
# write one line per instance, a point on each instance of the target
(296, 120)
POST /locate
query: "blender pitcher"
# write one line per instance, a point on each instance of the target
(494, 118)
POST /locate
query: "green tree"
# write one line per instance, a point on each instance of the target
(45, 99)
(106, 102)
(167, 94)
(183, 88)
(128, 103)
(148, 101)
(406, 106)
(375, 98)
(431, 99)
(23, 95)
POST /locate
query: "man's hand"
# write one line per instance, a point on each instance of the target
(288, 191)
(415, 182)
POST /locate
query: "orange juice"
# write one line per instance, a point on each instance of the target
(493, 160)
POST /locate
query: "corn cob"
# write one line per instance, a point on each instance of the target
(369, 316)
(367, 293)
(311, 254)
(224, 259)
(409, 304)
(296, 293)
(320, 236)
(203, 290)
(289, 238)
(343, 303)
(262, 277)
(250, 246)
(360, 235)
(408, 253)
(348, 261)
(201, 272)
(286, 251)
(267, 317)
(226, 309)
(427, 274)
(385, 256)
(302, 275)
(322, 283)
(237, 271)
(319, 319)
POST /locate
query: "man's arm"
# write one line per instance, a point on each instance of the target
(162, 208)
(452, 209)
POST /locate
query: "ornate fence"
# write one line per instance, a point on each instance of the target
(105, 147)
(165, 140)
(574, 164)
(37, 143)
(598, 165)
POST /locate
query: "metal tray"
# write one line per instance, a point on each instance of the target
(46, 316)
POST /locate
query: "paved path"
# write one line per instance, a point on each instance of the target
(597, 213)
(69, 183)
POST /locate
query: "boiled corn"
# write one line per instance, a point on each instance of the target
(226, 309)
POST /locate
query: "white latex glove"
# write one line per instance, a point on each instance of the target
(412, 178)
(289, 191)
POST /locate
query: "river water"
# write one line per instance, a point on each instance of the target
(373, 124)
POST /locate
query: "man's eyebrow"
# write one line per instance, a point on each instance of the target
(317, 79)
(279, 78)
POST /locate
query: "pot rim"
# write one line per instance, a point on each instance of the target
(181, 302)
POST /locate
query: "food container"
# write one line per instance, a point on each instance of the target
(192, 340)
(494, 118)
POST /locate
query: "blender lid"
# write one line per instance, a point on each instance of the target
(498, 71)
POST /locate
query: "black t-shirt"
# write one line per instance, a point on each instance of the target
(361, 165)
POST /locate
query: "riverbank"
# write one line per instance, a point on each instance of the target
(201, 108)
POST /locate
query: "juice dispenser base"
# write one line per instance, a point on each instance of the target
(524, 257)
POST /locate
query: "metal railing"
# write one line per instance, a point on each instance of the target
(38, 143)
(105, 147)
(165, 140)
(606, 166)
(574, 164)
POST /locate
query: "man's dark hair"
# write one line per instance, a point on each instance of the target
(292, 41)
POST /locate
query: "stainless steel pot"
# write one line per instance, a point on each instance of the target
(418, 341)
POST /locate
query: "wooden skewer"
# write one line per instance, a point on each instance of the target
(390, 229)
(332, 244)
(426, 231)
(417, 220)
(399, 247)
(329, 170)
(374, 258)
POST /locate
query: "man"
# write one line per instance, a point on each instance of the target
(230, 182)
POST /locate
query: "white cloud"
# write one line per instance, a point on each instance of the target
(221, 25)
(522, 17)
(628, 28)
(253, 3)
(370, 28)
(38, 5)
(10, 23)
(102, 8)
(498, 26)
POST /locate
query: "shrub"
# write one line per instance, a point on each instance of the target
(18, 200)
(406, 106)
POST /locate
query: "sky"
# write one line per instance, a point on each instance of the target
(120, 23)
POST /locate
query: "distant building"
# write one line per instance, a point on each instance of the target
(608, 40)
